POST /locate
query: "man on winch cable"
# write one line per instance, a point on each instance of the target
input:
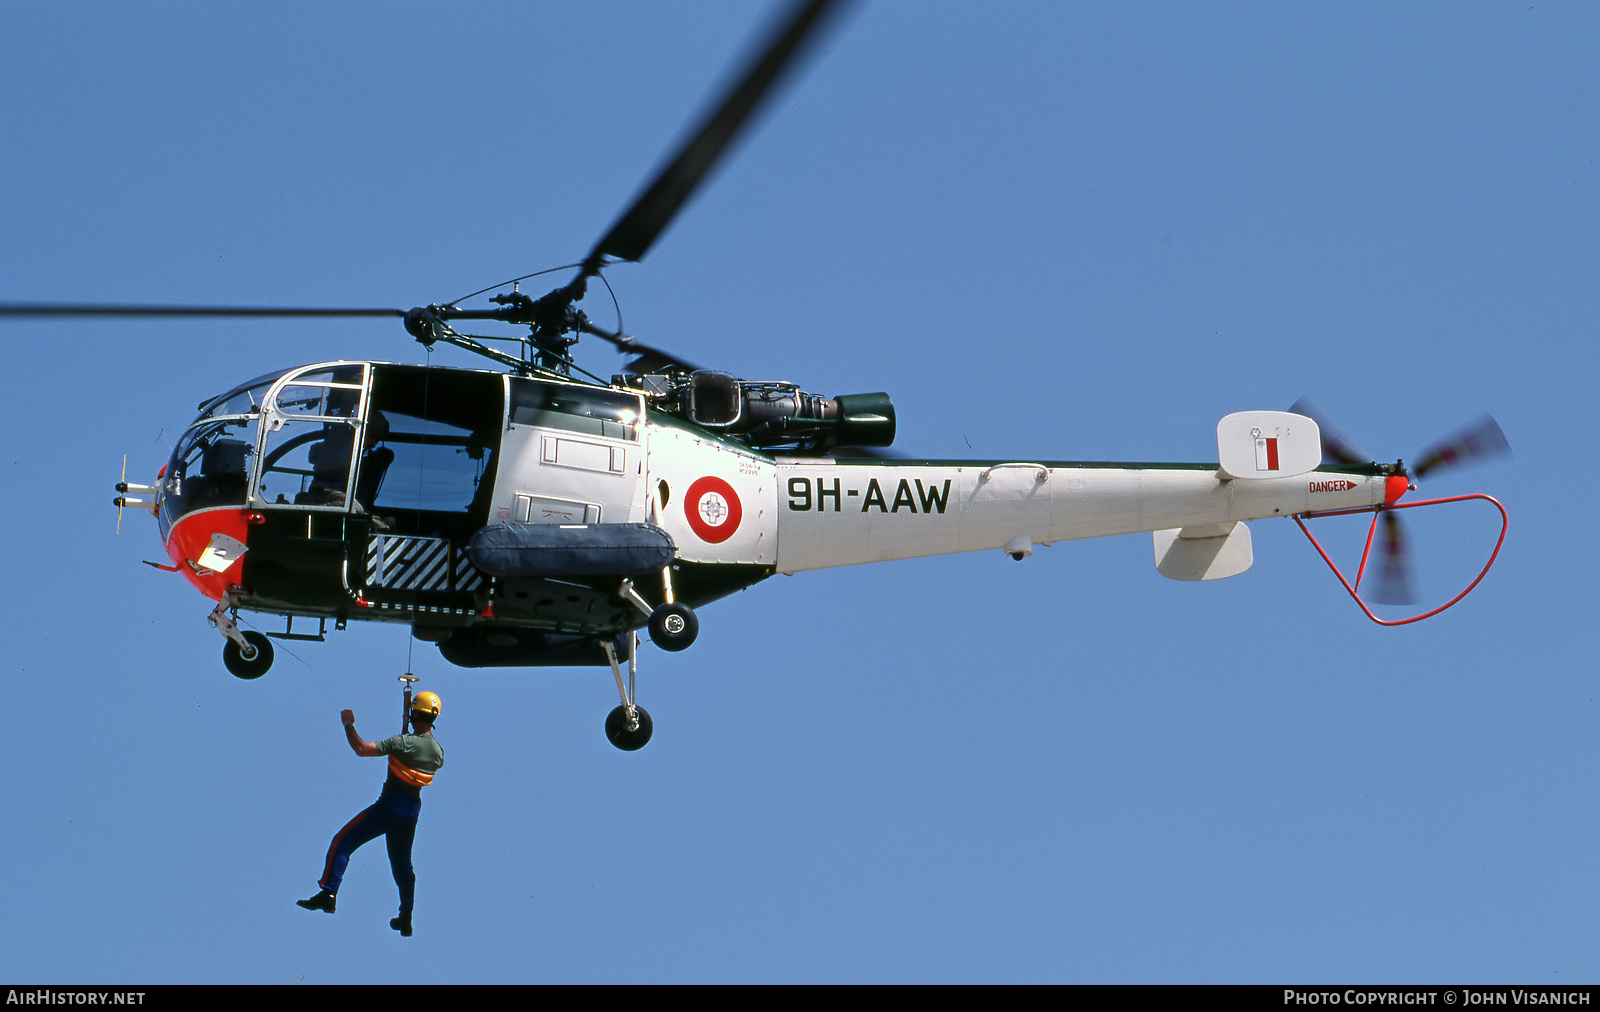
(413, 760)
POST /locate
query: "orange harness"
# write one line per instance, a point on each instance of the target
(405, 774)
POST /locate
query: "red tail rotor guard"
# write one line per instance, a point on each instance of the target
(1301, 518)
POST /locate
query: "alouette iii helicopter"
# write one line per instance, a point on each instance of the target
(536, 514)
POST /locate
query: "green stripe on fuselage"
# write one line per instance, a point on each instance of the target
(1062, 465)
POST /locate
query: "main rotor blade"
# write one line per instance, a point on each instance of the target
(1478, 441)
(1335, 447)
(49, 309)
(871, 452)
(647, 358)
(631, 237)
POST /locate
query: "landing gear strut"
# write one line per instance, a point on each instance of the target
(245, 654)
(673, 625)
(628, 727)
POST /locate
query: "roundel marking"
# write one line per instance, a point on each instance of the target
(713, 509)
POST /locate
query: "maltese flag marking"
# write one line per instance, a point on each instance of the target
(1266, 453)
(713, 510)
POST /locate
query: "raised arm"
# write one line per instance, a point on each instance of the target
(366, 749)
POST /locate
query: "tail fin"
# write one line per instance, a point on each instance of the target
(1268, 444)
(1206, 552)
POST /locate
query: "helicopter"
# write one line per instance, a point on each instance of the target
(533, 514)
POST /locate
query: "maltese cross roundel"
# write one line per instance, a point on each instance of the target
(713, 509)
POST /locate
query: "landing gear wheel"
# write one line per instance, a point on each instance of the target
(253, 666)
(673, 627)
(621, 737)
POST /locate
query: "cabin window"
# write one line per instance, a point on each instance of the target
(425, 465)
(597, 411)
(430, 440)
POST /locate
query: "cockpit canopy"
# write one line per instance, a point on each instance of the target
(341, 437)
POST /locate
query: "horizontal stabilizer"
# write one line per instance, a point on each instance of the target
(1209, 552)
(1268, 444)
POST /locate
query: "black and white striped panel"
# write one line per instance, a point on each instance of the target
(402, 563)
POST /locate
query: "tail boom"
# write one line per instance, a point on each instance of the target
(845, 512)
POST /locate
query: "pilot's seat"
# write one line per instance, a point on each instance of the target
(375, 460)
(330, 468)
(224, 475)
(374, 465)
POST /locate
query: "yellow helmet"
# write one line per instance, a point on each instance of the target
(425, 704)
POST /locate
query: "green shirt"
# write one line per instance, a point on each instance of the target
(418, 751)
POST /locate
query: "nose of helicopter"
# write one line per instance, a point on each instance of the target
(207, 547)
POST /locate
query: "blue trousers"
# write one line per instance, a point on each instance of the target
(394, 817)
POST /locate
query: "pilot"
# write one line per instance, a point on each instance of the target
(375, 460)
(330, 467)
(330, 463)
(413, 760)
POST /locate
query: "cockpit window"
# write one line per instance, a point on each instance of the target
(305, 434)
(211, 467)
(333, 392)
(308, 449)
(306, 463)
(244, 399)
(610, 413)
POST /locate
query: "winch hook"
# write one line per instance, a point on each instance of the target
(405, 713)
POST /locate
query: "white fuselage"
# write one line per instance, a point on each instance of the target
(723, 503)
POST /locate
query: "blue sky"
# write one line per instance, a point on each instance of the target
(1056, 231)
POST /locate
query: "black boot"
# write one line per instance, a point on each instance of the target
(323, 901)
(402, 923)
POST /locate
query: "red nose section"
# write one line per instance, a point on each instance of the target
(193, 536)
(1395, 486)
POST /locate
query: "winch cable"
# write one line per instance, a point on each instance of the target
(422, 457)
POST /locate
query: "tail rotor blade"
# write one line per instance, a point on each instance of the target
(1335, 447)
(1479, 441)
(1394, 572)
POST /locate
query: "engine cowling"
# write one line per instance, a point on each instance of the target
(778, 414)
